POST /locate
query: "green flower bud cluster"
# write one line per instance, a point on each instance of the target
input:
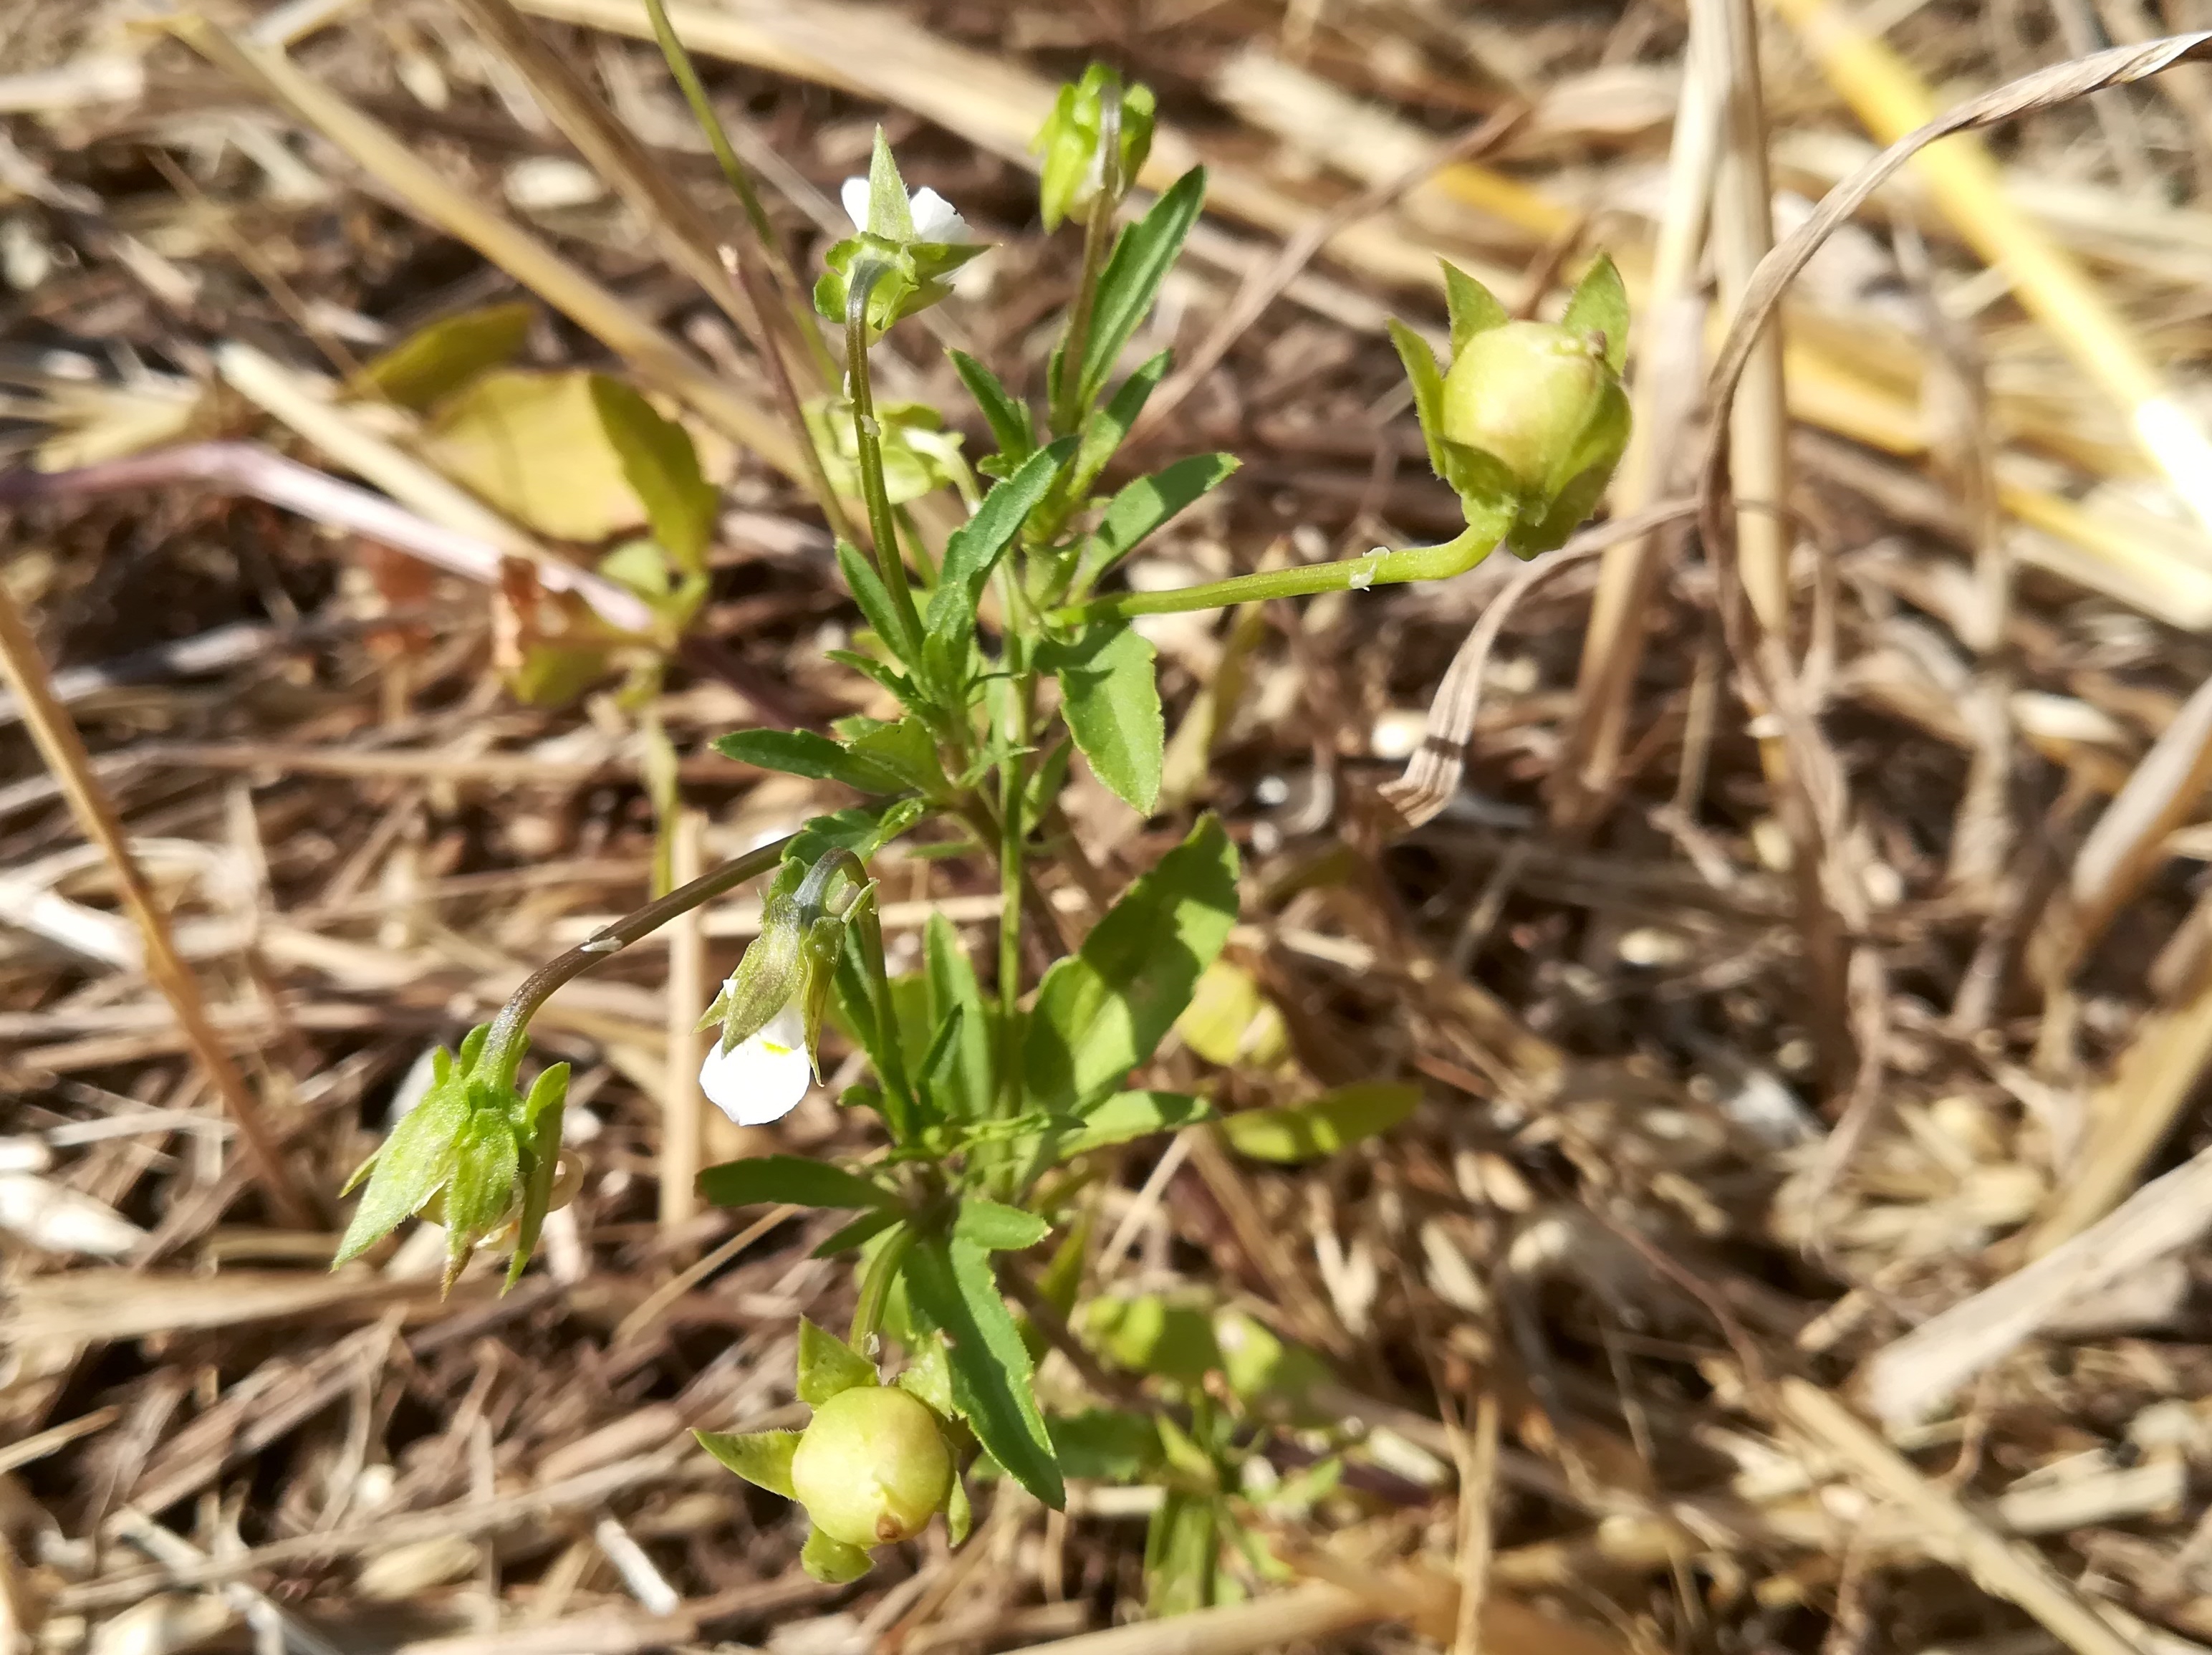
(872, 1468)
(1072, 146)
(474, 1154)
(1529, 420)
(903, 258)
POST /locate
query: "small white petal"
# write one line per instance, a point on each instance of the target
(761, 1079)
(934, 219)
(855, 195)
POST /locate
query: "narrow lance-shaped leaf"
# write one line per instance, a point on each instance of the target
(1011, 426)
(1104, 432)
(976, 545)
(953, 987)
(792, 1179)
(804, 753)
(1142, 257)
(950, 1285)
(1141, 506)
(997, 1228)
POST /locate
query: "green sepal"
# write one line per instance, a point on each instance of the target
(1428, 382)
(832, 1562)
(1475, 309)
(1600, 305)
(959, 1515)
(828, 1366)
(541, 1160)
(761, 1458)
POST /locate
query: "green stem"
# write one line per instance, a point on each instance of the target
(1013, 831)
(1097, 241)
(503, 1047)
(890, 1057)
(1379, 568)
(883, 527)
(876, 1286)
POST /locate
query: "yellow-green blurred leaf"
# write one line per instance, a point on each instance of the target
(434, 361)
(662, 468)
(1229, 1020)
(1308, 1131)
(533, 445)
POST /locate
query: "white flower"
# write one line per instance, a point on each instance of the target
(761, 1079)
(934, 220)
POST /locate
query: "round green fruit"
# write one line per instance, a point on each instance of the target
(1522, 392)
(872, 1466)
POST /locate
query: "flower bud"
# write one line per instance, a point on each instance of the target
(1522, 393)
(872, 1468)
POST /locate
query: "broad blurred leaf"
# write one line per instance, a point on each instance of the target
(1306, 1132)
(1100, 1011)
(1104, 1445)
(1127, 1115)
(1150, 1333)
(436, 361)
(1229, 1021)
(662, 469)
(533, 445)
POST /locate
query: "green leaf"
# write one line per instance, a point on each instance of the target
(860, 1231)
(1306, 1132)
(1475, 309)
(828, 1366)
(804, 753)
(1102, 1444)
(663, 469)
(832, 1562)
(788, 1179)
(1181, 1550)
(1600, 305)
(959, 1515)
(953, 989)
(864, 830)
(951, 1285)
(761, 1458)
(874, 598)
(929, 1377)
(541, 1125)
(1127, 1115)
(1142, 506)
(1110, 698)
(433, 362)
(976, 545)
(1148, 1333)
(1104, 432)
(1428, 383)
(416, 1157)
(996, 1228)
(1011, 426)
(1100, 1011)
(1143, 254)
(904, 748)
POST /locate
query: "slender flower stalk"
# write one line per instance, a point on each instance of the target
(1097, 241)
(883, 527)
(1381, 567)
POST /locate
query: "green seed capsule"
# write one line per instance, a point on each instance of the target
(1522, 392)
(872, 1466)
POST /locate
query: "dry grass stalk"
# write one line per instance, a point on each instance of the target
(1965, 181)
(682, 1129)
(2012, 1570)
(64, 750)
(659, 360)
